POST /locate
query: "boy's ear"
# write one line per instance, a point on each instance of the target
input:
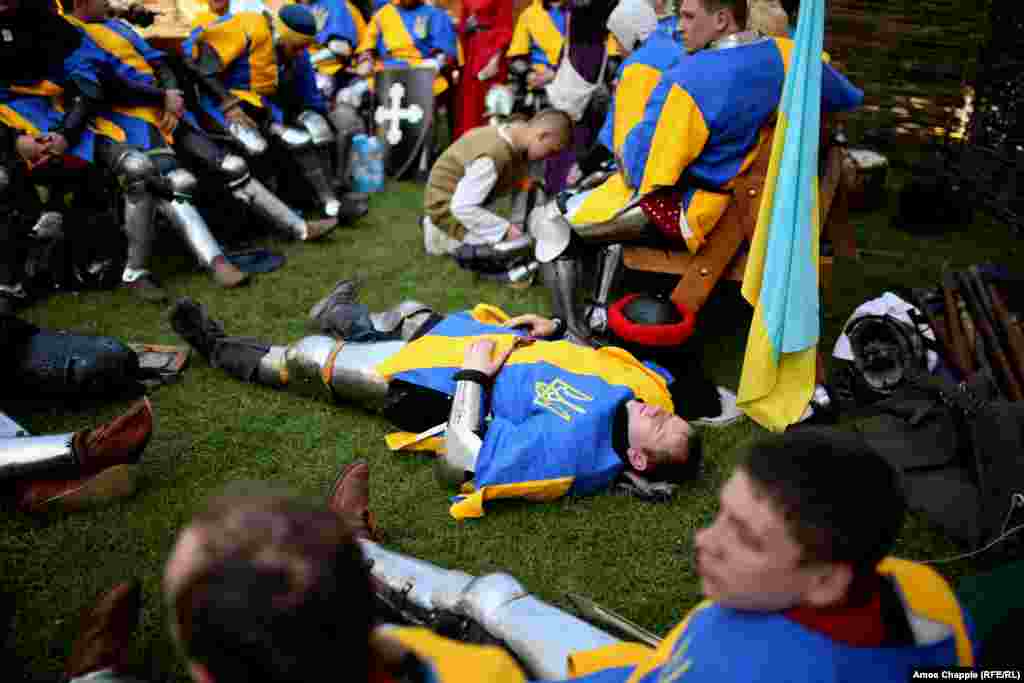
(638, 459)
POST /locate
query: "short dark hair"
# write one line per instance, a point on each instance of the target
(285, 593)
(791, 8)
(737, 7)
(679, 473)
(841, 501)
(555, 120)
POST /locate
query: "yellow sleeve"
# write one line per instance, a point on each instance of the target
(229, 39)
(520, 45)
(357, 19)
(370, 35)
(608, 657)
(679, 138)
(635, 87)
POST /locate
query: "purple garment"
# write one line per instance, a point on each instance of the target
(586, 52)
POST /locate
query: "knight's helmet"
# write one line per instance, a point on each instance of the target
(650, 322)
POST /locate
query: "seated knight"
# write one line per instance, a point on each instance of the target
(409, 33)
(702, 125)
(257, 86)
(58, 102)
(567, 419)
(153, 94)
(537, 43)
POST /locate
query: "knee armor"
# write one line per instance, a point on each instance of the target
(134, 168)
(235, 170)
(182, 183)
(346, 120)
(293, 138)
(307, 364)
(317, 127)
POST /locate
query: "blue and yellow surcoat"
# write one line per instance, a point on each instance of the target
(449, 661)
(250, 68)
(702, 126)
(552, 408)
(539, 35)
(405, 37)
(718, 644)
(637, 78)
(344, 22)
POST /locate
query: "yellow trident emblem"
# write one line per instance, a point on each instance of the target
(557, 396)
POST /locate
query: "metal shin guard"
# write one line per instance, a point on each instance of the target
(327, 368)
(62, 364)
(313, 170)
(347, 124)
(608, 269)
(541, 635)
(270, 208)
(191, 226)
(561, 277)
(139, 226)
(35, 457)
(404, 320)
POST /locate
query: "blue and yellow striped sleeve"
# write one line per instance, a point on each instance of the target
(670, 136)
(228, 38)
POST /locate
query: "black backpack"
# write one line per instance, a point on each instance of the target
(961, 453)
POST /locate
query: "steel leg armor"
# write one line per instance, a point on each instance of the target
(134, 169)
(330, 368)
(347, 124)
(32, 457)
(182, 214)
(541, 635)
(552, 230)
(300, 144)
(265, 203)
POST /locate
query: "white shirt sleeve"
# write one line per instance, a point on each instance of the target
(482, 226)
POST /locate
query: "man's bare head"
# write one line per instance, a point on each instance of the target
(705, 21)
(549, 132)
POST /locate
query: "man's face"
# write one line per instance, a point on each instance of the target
(698, 26)
(651, 428)
(747, 559)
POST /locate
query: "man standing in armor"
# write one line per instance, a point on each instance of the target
(566, 419)
(255, 82)
(19, 209)
(677, 163)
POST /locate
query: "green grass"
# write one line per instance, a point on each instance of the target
(630, 556)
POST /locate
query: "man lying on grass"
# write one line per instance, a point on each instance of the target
(559, 418)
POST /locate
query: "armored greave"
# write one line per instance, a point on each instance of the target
(269, 207)
(347, 124)
(329, 368)
(310, 161)
(30, 457)
(541, 635)
(608, 266)
(182, 214)
(561, 277)
(139, 226)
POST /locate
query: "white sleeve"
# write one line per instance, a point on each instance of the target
(483, 226)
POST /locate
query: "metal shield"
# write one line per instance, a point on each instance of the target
(403, 114)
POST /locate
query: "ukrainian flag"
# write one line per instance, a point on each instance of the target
(781, 279)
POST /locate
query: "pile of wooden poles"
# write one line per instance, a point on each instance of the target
(976, 328)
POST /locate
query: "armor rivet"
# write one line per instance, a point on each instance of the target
(704, 272)
(752, 192)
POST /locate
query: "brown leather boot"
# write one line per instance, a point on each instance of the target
(105, 631)
(226, 274)
(350, 500)
(118, 442)
(44, 495)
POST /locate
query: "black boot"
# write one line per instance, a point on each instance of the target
(192, 322)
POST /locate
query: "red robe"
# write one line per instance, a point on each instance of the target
(478, 47)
